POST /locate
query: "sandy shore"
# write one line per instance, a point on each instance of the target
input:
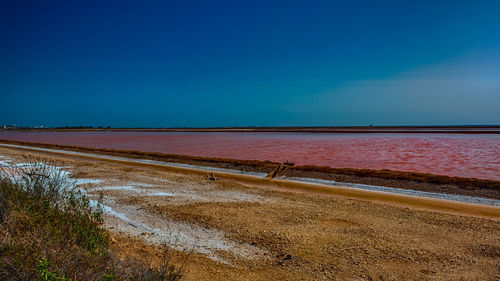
(242, 230)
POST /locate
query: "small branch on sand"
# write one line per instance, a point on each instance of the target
(211, 177)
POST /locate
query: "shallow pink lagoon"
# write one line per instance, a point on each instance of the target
(460, 155)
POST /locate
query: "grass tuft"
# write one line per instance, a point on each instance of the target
(50, 231)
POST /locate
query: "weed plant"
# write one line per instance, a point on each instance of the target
(50, 231)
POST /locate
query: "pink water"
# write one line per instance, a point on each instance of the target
(460, 155)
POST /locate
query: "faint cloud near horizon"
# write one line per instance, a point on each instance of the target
(465, 91)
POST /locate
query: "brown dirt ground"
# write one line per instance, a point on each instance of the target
(307, 236)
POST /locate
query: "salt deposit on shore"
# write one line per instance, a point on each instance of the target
(124, 218)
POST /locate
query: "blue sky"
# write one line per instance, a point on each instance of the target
(239, 63)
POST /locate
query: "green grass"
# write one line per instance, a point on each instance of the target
(49, 231)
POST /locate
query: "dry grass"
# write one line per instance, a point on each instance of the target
(49, 231)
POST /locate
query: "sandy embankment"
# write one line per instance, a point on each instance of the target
(241, 228)
(258, 179)
(414, 181)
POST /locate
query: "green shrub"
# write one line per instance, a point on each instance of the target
(46, 274)
(49, 231)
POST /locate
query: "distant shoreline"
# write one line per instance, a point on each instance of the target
(464, 129)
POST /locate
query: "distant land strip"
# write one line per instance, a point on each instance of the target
(463, 129)
(398, 179)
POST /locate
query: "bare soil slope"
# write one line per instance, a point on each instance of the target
(245, 232)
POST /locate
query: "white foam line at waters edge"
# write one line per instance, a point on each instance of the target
(440, 196)
(410, 192)
(147, 161)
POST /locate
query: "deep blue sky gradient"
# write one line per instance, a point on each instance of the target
(238, 63)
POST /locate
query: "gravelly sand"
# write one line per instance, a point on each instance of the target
(252, 232)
